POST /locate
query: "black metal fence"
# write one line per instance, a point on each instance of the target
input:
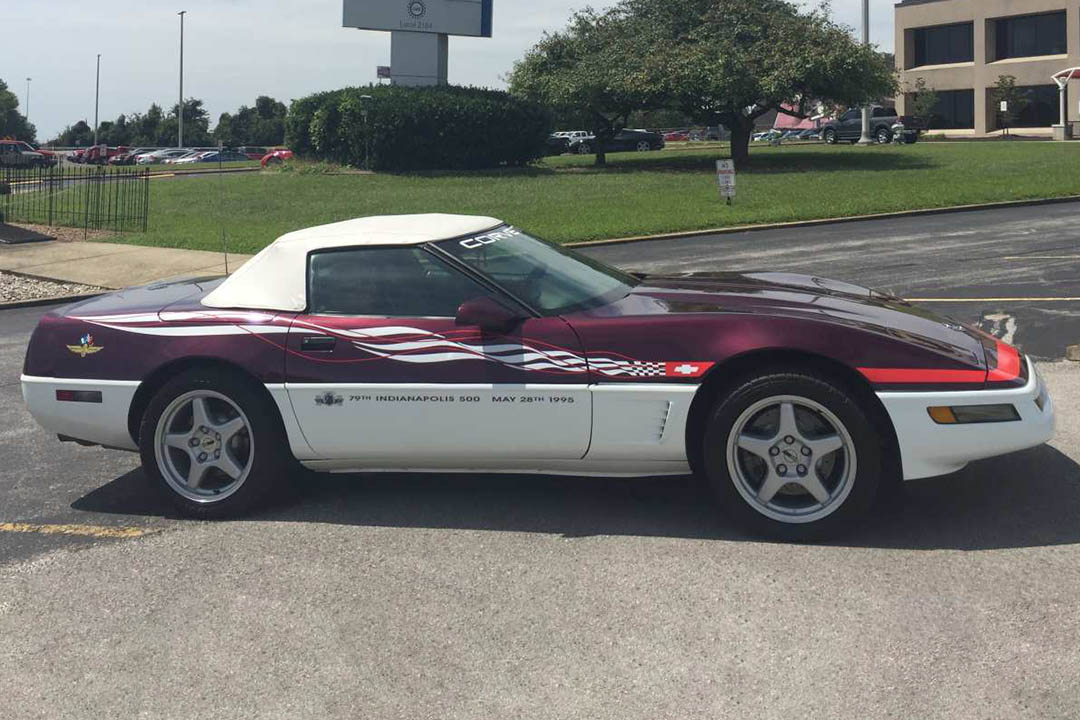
(92, 198)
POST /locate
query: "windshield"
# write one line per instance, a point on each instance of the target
(547, 277)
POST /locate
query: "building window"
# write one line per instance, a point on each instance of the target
(1042, 109)
(1030, 35)
(944, 44)
(955, 110)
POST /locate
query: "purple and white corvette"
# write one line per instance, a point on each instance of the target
(459, 343)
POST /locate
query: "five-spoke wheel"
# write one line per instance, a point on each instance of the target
(204, 446)
(791, 458)
(793, 455)
(214, 442)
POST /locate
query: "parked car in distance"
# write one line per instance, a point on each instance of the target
(129, 157)
(101, 154)
(276, 157)
(556, 144)
(252, 152)
(16, 153)
(189, 157)
(222, 156)
(160, 156)
(809, 134)
(676, 136)
(848, 126)
(624, 140)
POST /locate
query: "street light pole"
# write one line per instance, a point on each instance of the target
(865, 139)
(27, 113)
(180, 107)
(97, 95)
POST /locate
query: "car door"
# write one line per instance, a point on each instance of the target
(850, 125)
(378, 369)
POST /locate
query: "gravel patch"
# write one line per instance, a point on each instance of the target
(17, 288)
(68, 234)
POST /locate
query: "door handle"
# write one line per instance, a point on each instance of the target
(317, 343)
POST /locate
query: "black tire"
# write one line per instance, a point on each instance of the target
(583, 149)
(829, 136)
(269, 457)
(644, 146)
(854, 492)
(883, 135)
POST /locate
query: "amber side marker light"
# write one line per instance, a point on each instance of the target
(969, 414)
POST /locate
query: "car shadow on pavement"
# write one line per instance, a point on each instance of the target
(1028, 499)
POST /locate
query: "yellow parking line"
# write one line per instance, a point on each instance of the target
(996, 299)
(1041, 257)
(96, 531)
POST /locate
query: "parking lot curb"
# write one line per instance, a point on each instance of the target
(826, 221)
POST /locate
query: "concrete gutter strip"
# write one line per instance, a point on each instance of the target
(730, 230)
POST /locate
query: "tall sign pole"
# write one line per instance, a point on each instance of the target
(865, 139)
(27, 113)
(180, 107)
(97, 94)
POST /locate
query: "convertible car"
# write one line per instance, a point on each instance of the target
(460, 343)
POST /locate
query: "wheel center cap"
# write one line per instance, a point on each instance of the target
(790, 455)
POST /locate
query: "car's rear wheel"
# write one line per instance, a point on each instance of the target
(643, 146)
(583, 149)
(830, 137)
(214, 444)
(793, 456)
(884, 136)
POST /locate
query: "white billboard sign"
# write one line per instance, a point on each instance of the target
(446, 17)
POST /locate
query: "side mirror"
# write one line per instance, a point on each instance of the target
(487, 314)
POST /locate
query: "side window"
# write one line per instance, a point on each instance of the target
(386, 282)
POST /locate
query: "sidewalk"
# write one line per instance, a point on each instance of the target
(111, 265)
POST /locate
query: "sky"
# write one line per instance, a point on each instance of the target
(236, 50)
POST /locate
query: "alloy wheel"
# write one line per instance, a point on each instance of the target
(791, 459)
(204, 446)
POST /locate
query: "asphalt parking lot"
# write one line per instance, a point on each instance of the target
(1014, 271)
(428, 596)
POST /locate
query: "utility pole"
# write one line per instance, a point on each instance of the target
(180, 107)
(865, 139)
(27, 113)
(97, 95)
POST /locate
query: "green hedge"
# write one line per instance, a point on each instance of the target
(418, 128)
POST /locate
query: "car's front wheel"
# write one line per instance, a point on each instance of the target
(644, 146)
(793, 456)
(214, 444)
(583, 149)
(884, 136)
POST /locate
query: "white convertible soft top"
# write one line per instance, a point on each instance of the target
(276, 278)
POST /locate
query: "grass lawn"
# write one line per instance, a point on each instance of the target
(568, 199)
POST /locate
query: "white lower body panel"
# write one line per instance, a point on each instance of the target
(928, 449)
(104, 423)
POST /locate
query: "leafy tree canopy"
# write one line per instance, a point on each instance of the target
(12, 122)
(719, 61)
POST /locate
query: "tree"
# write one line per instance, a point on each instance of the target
(1017, 99)
(78, 135)
(923, 101)
(263, 124)
(732, 61)
(721, 61)
(588, 70)
(12, 122)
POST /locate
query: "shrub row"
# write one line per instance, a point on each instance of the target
(418, 128)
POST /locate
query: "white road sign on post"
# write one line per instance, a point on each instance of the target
(725, 176)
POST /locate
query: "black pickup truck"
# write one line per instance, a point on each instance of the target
(883, 126)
